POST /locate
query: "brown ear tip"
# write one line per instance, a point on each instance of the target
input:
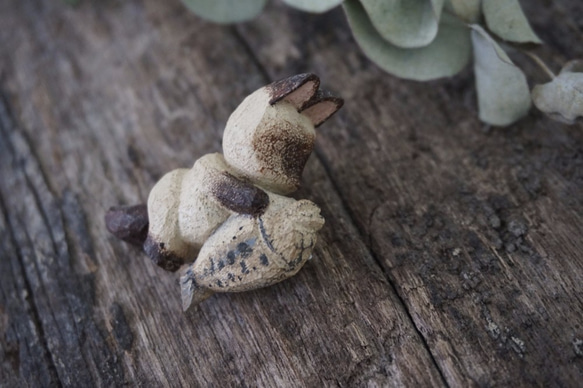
(308, 76)
(302, 78)
(321, 96)
(338, 101)
(282, 88)
(317, 111)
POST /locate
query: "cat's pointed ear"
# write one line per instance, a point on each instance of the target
(297, 89)
(321, 107)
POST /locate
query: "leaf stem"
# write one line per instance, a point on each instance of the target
(540, 63)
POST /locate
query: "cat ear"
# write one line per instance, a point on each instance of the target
(297, 89)
(321, 107)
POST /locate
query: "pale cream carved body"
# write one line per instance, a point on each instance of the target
(182, 212)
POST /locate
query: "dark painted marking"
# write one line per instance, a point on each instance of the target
(220, 284)
(292, 264)
(263, 260)
(128, 223)
(189, 280)
(231, 257)
(161, 256)
(244, 249)
(265, 236)
(231, 277)
(221, 264)
(286, 149)
(244, 268)
(212, 268)
(240, 196)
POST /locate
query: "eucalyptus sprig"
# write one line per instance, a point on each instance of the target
(428, 39)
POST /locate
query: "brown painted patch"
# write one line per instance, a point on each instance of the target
(161, 256)
(128, 223)
(278, 90)
(240, 196)
(285, 149)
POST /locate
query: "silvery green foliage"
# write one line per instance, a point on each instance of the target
(415, 42)
(506, 19)
(234, 11)
(447, 54)
(405, 23)
(503, 94)
(316, 6)
(423, 40)
(427, 39)
(466, 10)
(562, 98)
(226, 11)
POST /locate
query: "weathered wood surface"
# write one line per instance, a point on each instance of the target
(452, 253)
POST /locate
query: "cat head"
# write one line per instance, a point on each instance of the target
(271, 134)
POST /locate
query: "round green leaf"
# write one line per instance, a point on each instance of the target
(506, 19)
(503, 95)
(562, 98)
(405, 23)
(467, 10)
(316, 6)
(444, 57)
(226, 11)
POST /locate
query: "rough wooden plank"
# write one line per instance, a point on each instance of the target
(477, 228)
(19, 321)
(97, 103)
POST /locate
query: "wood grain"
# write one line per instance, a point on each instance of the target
(477, 228)
(451, 254)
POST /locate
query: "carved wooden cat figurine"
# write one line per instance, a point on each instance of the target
(228, 215)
